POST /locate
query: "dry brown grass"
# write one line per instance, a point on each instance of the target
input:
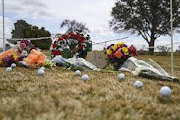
(61, 95)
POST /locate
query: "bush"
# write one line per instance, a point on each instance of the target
(143, 52)
(43, 44)
(163, 50)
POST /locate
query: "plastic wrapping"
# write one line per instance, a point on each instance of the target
(59, 60)
(8, 57)
(149, 69)
(34, 58)
(76, 63)
(81, 63)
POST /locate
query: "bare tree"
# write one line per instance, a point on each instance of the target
(163, 50)
(74, 26)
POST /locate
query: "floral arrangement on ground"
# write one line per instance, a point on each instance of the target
(118, 53)
(25, 53)
(70, 45)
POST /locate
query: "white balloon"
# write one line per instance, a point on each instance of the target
(121, 77)
(85, 78)
(13, 65)
(8, 69)
(138, 84)
(77, 72)
(165, 91)
(40, 72)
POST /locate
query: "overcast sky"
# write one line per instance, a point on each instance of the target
(50, 13)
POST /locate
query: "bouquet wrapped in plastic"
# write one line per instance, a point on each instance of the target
(26, 54)
(35, 58)
(118, 53)
(148, 69)
(16, 54)
(8, 57)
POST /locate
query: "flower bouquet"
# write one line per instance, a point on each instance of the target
(69, 45)
(118, 53)
(36, 59)
(16, 54)
(25, 47)
(26, 54)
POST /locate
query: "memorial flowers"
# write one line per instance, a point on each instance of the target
(118, 53)
(69, 45)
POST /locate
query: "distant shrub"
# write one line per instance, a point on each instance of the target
(43, 44)
(163, 50)
(142, 52)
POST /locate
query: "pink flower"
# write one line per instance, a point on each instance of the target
(22, 45)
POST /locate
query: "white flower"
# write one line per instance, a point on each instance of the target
(60, 49)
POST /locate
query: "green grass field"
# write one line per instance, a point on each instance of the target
(60, 95)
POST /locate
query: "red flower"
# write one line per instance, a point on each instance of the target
(132, 50)
(78, 36)
(65, 36)
(72, 35)
(80, 47)
(58, 53)
(81, 38)
(124, 56)
(82, 41)
(59, 39)
(54, 45)
(54, 52)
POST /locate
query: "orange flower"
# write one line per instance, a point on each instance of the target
(118, 54)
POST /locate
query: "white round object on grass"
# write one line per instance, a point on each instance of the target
(43, 68)
(77, 72)
(138, 84)
(13, 65)
(165, 91)
(85, 78)
(40, 72)
(8, 69)
(121, 77)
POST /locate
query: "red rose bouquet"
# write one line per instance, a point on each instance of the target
(69, 45)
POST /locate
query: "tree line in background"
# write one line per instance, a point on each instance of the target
(25, 30)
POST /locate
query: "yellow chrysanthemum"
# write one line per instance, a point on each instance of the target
(114, 47)
(108, 51)
(121, 43)
(125, 50)
(15, 57)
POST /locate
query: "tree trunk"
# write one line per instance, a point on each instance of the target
(151, 47)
